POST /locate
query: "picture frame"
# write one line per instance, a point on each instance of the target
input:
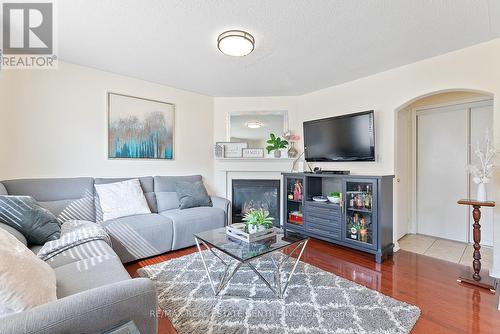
(233, 149)
(139, 128)
(252, 153)
(218, 151)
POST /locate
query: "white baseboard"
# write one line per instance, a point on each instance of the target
(494, 272)
(396, 247)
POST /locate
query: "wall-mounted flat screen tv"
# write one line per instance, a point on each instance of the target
(342, 138)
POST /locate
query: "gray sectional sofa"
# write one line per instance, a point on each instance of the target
(95, 292)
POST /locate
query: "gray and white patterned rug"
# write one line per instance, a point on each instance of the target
(316, 301)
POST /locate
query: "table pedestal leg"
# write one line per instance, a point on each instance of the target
(476, 263)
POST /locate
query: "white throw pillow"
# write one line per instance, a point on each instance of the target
(122, 199)
(25, 280)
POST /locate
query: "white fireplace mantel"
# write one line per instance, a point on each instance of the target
(226, 172)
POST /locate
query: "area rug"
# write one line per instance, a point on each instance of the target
(316, 301)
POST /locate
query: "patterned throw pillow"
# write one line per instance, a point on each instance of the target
(192, 194)
(37, 224)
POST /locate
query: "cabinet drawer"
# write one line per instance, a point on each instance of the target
(322, 210)
(319, 230)
(332, 222)
(321, 215)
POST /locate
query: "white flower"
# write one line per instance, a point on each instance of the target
(483, 170)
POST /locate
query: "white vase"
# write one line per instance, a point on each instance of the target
(481, 192)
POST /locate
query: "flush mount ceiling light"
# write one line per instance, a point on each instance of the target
(253, 124)
(235, 43)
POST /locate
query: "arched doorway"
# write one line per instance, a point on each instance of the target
(431, 173)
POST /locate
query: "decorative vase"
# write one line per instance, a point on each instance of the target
(292, 151)
(277, 154)
(481, 192)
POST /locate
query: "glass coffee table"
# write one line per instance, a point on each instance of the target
(244, 253)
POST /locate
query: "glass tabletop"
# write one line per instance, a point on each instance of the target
(246, 251)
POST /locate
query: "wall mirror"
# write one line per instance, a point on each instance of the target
(254, 127)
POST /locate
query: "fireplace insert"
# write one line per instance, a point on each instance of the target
(255, 194)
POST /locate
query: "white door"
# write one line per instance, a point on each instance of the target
(442, 177)
(481, 120)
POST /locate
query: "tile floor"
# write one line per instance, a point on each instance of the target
(448, 250)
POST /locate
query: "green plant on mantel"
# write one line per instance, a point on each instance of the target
(258, 218)
(275, 143)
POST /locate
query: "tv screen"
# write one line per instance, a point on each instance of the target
(342, 138)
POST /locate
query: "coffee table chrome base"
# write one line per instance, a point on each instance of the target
(277, 287)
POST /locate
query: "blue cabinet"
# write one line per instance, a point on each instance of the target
(362, 220)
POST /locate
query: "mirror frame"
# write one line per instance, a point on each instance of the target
(256, 112)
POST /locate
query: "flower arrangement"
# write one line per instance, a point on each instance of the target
(483, 170)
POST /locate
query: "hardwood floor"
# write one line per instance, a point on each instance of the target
(429, 283)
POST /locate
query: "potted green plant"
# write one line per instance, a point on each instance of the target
(258, 220)
(334, 197)
(276, 144)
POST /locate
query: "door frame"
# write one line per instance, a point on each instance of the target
(412, 193)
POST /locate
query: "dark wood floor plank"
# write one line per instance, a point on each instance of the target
(429, 283)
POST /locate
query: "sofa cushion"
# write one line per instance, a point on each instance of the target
(167, 200)
(66, 198)
(25, 280)
(18, 235)
(166, 192)
(24, 214)
(88, 274)
(84, 251)
(3, 191)
(192, 194)
(121, 199)
(140, 236)
(193, 220)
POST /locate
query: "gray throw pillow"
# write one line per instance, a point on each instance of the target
(37, 224)
(192, 194)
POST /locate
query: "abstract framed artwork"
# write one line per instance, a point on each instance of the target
(140, 128)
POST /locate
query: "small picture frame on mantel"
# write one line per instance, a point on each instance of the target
(253, 153)
(232, 149)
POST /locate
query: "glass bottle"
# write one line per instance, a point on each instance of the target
(363, 231)
(368, 198)
(359, 201)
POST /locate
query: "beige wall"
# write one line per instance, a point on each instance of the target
(476, 68)
(5, 109)
(59, 117)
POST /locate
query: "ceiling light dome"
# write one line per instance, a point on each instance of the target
(236, 43)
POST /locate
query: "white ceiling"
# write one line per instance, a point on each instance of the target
(301, 46)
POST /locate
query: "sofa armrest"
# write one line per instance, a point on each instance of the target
(91, 311)
(224, 204)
